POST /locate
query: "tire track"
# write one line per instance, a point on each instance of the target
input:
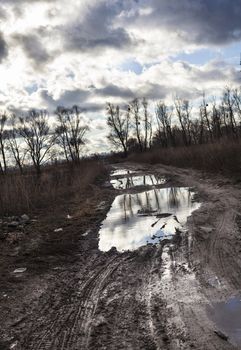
(69, 326)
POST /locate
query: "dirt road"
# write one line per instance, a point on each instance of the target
(72, 296)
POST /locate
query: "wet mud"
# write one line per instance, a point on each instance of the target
(116, 278)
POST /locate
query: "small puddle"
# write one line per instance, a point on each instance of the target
(144, 218)
(227, 316)
(130, 181)
(122, 172)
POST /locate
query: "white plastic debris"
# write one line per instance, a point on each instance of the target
(58, 230)
(86, 233)
(13, 346)
(20, 270)
(25, 217)
(69, 217)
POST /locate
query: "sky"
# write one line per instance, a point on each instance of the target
(66, 52)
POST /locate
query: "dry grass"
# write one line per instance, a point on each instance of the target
(223, 157)
(58, 185)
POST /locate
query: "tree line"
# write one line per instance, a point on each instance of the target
(31, 140)
(135, 128)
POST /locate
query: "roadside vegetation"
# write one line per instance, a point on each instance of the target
(41, 163)
(41, 159)
(207, 137)
(60, 185)
(223, 157)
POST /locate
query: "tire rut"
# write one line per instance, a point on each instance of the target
(69, 326)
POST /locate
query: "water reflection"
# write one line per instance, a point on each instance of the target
(121, 172)
(130, 180)
(228, 317)
(148, 217)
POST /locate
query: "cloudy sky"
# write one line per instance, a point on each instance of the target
(87, 52)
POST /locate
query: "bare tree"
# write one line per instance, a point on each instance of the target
(237, 104)
(119, 124)
(15, 144)
(228, 104)
(70, 132)
(216, 121)
(183, 110)
(205, 116)
(237, 98)
(147, 125)
(3, 120)
(196, 130)
(134, 108)
(163, 118)
(35, 131)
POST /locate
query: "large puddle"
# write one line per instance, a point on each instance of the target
(144, 218)
(227, 316)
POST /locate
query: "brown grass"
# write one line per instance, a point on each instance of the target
(57, 185)
(223, 157)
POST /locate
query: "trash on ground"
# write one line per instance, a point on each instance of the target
(20, 270)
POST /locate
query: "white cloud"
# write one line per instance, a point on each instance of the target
(67, 52)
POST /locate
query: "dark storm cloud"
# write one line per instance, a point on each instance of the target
(70, 98)
(3, 48)
(73, 97)
(67, 99)
(33, 48)
(203, 21)
(115, 91)
(148, 90)
(153, 91)
(97, 30)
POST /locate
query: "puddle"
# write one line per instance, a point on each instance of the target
(144, 218)
(227, 316)
(129, 181)
(122, 172)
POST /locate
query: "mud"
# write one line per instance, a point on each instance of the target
(74, 296)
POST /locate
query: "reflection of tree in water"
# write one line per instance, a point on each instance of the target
(152, 181)
(126, 204)
(152, 201)
(174, 197)
(131, 180)
(178, 197)
(190, 197)
(157, 198)
(145, 203)
(157, 179)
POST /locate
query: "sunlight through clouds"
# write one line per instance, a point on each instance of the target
(91, 52)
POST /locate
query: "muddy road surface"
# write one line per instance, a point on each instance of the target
(164, 290)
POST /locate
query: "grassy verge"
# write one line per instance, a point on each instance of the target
(223, 157)
(57, 185)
